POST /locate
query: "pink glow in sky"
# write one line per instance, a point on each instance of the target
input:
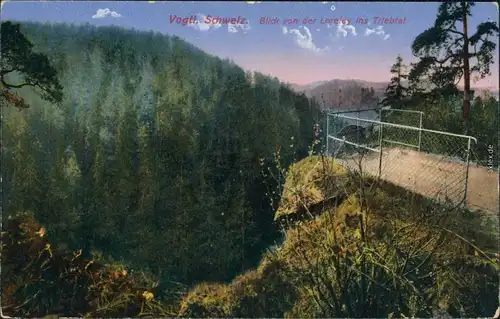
(296, 69)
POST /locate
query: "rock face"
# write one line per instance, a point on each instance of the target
(310, 182)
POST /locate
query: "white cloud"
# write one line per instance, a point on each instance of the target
(235, 27)
(343, 29)
(304, 39)
(103, 13)
(201, 25)
(284, 30)
(369, 31)
(377, 31)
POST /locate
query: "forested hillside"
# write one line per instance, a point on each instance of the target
(154, 155)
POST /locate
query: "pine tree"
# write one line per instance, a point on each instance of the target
(62, 213)
(24, 173)
(141, 229)
(396, 92)
(447, 54)
(123, 174)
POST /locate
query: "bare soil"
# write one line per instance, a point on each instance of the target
(434, 176)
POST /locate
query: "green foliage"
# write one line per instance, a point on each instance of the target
(263, 292)
(381, 252)
(34, 68)
(385, 244)
(440, 48)
(444, 114)
(305, 185)
(484, 123)
(155, 148)
(66, 283)
(433, 85)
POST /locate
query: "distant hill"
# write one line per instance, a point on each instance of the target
(306, 87)
(340, 93)
(343, 93)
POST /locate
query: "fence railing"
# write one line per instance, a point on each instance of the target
(396, 116)
(404, 117)
(432, 163)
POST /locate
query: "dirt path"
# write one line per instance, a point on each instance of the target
(434, 176)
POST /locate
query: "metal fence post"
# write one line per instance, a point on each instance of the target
(327, 134)
(420, 133)
(467, 172)
(380, 145)
(334, 133)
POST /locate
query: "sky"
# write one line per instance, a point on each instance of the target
(306, 45)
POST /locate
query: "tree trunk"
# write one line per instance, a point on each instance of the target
(466, 69)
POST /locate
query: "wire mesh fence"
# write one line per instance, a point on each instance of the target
(432, 163)
(404, 117)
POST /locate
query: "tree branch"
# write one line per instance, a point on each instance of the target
(455, 55)
(13, 86)
(454, 31)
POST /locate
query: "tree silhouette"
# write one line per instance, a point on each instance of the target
(396, 91)
(32, 69)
